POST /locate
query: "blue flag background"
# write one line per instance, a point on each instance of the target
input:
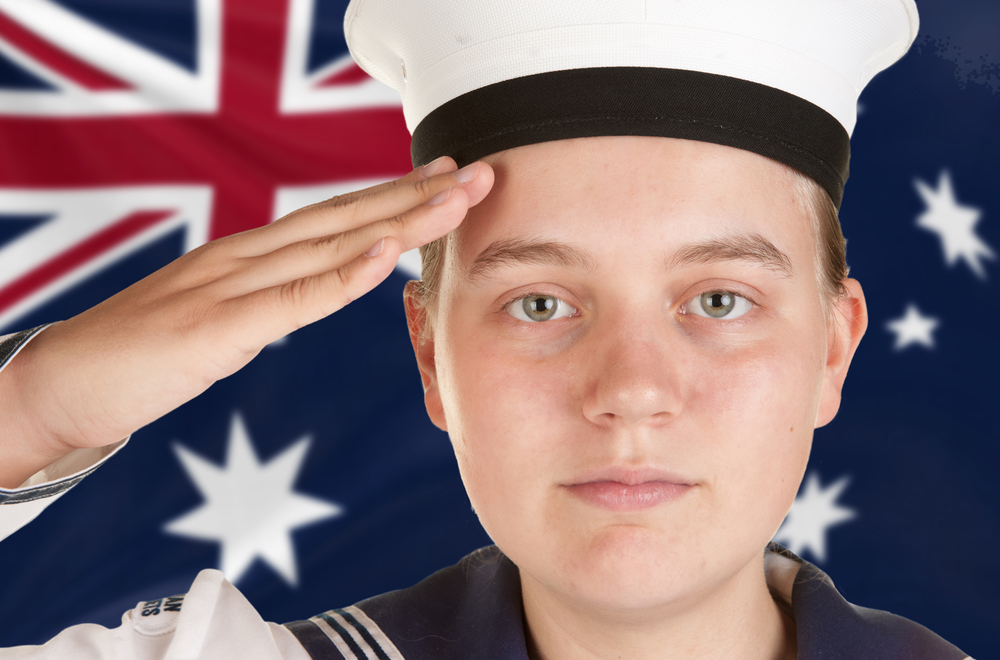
(901, 503)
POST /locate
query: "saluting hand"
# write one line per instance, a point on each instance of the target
(94, 379)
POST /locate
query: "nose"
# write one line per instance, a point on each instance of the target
(634, 377)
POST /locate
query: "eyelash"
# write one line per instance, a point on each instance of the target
(525, 295)
(741, 294)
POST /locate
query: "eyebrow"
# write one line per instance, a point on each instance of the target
(505, 253)
(526, 251)
(752, 248)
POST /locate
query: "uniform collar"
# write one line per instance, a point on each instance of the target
(474, 610)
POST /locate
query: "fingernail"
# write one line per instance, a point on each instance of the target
(440, 197)
(376, 249)
(468, 173)
(433, 167)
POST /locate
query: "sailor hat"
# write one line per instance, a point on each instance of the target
(780, 78)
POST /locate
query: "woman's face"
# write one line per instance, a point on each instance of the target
(630, 355)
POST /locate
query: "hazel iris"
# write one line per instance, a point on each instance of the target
(539, 308)
(718, 303)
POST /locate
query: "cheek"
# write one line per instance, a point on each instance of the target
(759, 392)
(499, 408)
(756, 419)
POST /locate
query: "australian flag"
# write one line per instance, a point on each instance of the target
(135, 130)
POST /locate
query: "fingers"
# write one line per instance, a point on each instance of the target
(347, 212)
(292, 263)
(313, 255)
(420, 225)
(281, 309)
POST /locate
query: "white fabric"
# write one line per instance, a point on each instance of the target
(69, 466)
(215, 621)
(824, 51)
(15, 516)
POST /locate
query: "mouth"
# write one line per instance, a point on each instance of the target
(624, 490)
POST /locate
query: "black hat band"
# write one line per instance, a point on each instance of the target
(639, 101)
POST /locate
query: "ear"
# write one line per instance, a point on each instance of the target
(848, 320)
(417, 322)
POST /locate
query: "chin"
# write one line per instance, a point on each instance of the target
(629, 568)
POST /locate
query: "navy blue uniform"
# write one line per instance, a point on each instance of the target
(473, 610)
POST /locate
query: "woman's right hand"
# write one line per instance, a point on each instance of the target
(94, 379)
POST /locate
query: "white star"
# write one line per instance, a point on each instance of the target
(913, 328)
(814, 511)
(250, 508)
(954, 224)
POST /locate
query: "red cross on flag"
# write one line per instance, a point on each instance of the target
(131, 132)
(119, 143)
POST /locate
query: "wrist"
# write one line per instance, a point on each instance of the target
(26, 445)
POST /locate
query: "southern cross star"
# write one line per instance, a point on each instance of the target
(913, 328)
(813, 513)
(954, 224)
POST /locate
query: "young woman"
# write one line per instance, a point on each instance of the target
(635, 310)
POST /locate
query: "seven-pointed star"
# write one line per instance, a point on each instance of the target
(913, 328)
(814, 511)
(954, 224)
(250, 507)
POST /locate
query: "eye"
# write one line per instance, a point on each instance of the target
(539, 307)
(718, 305)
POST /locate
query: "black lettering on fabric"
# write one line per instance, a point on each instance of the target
(151, 607)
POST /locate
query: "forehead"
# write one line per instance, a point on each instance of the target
(618, 195)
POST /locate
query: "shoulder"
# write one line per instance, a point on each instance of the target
(469, 610)
(828, 626)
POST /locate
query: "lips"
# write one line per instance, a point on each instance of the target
(624, 490)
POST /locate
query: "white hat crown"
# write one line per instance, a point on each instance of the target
(823, 52)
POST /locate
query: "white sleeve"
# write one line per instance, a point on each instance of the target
(213, 620)
(19, 506)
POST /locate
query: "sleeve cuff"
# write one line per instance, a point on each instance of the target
(63, 474)
(21, 505)
(60, 476)
(11, 345)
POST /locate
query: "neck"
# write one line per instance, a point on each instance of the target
(736, 620)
